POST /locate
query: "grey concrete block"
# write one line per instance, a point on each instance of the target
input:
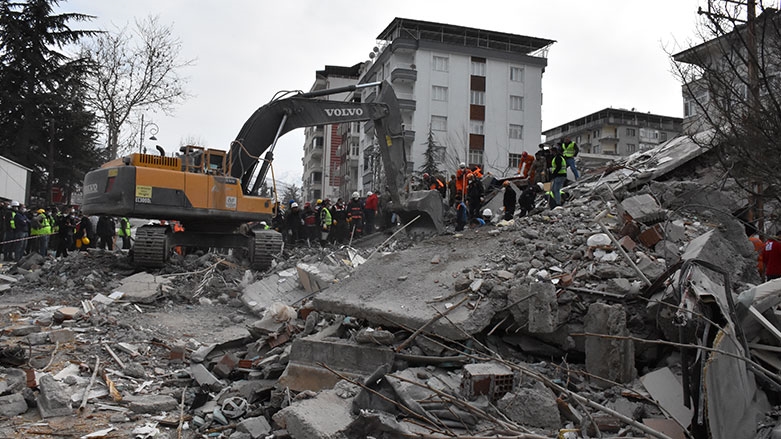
(202, 376)
(152, 404)
(255, 427)
(52, 398)
(322, 417)
(543, 308)
(12, 380)
(535, 406)
(643, 208)
(12, 405)
(609, 358)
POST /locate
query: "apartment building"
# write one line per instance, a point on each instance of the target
(478, 91)
(329, 161)
(615, 131)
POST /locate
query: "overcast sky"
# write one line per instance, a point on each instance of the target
(608, 53)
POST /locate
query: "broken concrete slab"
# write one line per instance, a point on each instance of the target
(643, 208)
(322, 417)
(609, 358)
(713, 247)
(375, 293)
(256, 427)
(304, 373)
(12, 380)
(315, 277)
(535, 406)
(151, 403)
(143, 287)
(12, 405)
(543, 308)
(664, 387)
(52, 399)
(283, 287)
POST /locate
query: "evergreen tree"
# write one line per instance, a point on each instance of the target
(431, 155)
(41, 120)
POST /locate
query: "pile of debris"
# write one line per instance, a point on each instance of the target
(627, 312)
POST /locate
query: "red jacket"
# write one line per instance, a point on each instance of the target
(372, 202)
(771, 256)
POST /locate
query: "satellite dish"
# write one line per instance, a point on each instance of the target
(372, 55)
(376, 49)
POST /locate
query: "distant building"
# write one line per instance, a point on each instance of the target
(478, 91)
(614, 131)
(324, 175)
(719, 89)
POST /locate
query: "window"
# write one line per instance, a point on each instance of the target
(596, 148)
(689, 108)
(596, 134)
(477, 97)
(476, 127)
(663, 136)
(441, 63)
(516, 74)
(439, 123)
(516, 103)
(439, 93)
(515, 160)
(631, 148)
(516, 131)
(476, 157)
(630, 132)
(477, 68)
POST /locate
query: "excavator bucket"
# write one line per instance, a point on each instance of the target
(425, 209)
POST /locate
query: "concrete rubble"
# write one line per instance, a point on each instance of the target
(627, 313)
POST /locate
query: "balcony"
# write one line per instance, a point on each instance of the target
(400, 74)
(408, 104)
(404, 45)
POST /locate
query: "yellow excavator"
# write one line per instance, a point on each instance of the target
(211, 193)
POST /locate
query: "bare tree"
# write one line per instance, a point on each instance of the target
(732, 92)
(134, 70)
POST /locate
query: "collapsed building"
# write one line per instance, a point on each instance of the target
(636, 310)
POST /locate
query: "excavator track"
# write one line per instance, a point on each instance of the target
(150, 248)
(267, 244)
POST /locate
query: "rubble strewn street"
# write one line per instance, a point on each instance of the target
(635, 310)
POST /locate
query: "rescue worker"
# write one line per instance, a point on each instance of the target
(559, 174)
(106, 231)
(310, 223)
(771, 256)
(20, 224)
(527, 198)
(451, 190)
(461, 180)
(475, 194)
(508, 201)
(477, 172)
(293, 224)
(41, 227)
(326, 221)
(124, 232)
(370, 207)
(339, 215)
(355, 215)
(65, 231)
(461, 214)
(542, 165)
(526, 166)
(570, 150)
(8, 233)
(759, 245)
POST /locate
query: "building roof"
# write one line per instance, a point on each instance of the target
(448, 33)
(348, 72)
(616, 113)
(697, 55)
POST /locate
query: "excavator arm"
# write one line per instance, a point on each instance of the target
(262, 130)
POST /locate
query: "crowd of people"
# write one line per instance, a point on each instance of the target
(58, 230)
(324, 222)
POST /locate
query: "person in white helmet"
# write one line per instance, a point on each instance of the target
(370, 207)
(355, 215)
(461, 180)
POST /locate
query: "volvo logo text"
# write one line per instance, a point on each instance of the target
(344, 111)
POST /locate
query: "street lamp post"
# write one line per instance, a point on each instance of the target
(153, 129)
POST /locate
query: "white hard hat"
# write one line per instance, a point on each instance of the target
(541, 186)
(462, 165)
(369, 194)
(294, 204)
(14, 203)
(356, 194)
(487, 212)
(263, 223)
